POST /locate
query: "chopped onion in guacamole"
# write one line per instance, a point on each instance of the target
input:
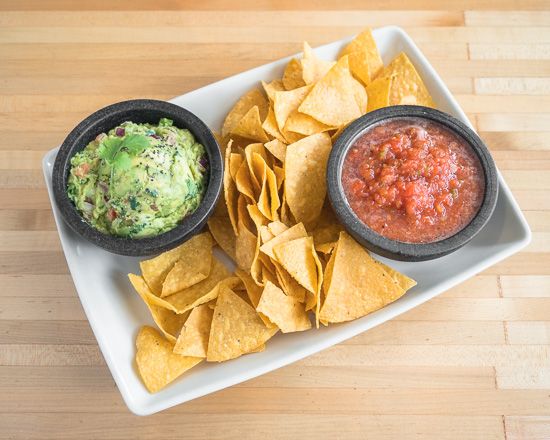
(139, 180)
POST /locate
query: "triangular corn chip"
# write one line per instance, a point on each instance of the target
(193, 265)
(250, 126)
(193, 338)
(296, 257)
(357, 285)
(332, 100)
(156, 363)
(364, 59)
(236, 328)
(252, 98)
(292, 77)
(284, 311)
(305, 176)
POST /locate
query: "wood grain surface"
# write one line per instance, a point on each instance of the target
(473, 363)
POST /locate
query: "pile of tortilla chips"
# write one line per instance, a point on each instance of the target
(294, 261)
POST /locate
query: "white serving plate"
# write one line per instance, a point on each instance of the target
(116, 312)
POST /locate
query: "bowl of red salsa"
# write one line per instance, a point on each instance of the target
(411, 183)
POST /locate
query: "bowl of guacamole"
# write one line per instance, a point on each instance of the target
(138, 177)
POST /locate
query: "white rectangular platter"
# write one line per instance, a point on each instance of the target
(116, 312)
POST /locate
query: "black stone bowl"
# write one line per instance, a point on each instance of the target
(394, 249)
(139, 111)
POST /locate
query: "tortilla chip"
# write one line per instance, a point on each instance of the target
(357, 285)
(229, 190)
(304, 124)
(272, 87)
(326, 248)
(288, 284)
(279, 176)
(320, 277)
(244, 216)
(235, 161)
(258, 349)
(222, 231)
(284, 311)
(313, 68)
(270, 126)
(169, 322)
(296, 257)
(257, 217)
(268, 201)
(407, 86)
(193, 266)
(332, 100)
(250, 99)
(236, 328)
(364, 59)
(250, 126)
(378, 92)
(253, 291)
(156, 363)
(243, 181)
(245, 247)
(292, 78)
(277, 149)
(327, 228)
(297, 231)
(197, 294)
(286, 102)
(286, 215)
(267, 275)
(277, 228)
(400, 279)
(156, 269)
(265, 234)
(361, 96)
(305, 176)
(193, 339)
(249, 153)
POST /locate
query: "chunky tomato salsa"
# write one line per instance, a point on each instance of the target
(413, 180)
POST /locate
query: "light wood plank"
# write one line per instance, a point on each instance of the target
(527, 427)
(512, 86)
(523, 378)
(26, 220)
(480, 309)
(36, 263)
(46, 332)
(507, 18)
(145, 5)
(288, 426)
(432, 333)
(212, 34)
(441, 355)
(521, 141)
(78, 379)
(41, 286)
(525, 286)
(15, 241)
(241, 19)
(509, 51)
(513, 122)
(528, 332)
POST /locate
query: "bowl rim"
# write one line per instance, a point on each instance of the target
(394, 249)
(190, 225)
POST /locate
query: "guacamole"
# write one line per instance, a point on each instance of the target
(138, 180)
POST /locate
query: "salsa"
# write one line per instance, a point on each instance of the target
(138, 180)
(413, 180)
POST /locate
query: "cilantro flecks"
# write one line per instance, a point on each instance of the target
(133, 144)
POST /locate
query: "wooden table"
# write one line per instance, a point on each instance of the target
(473, 363)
